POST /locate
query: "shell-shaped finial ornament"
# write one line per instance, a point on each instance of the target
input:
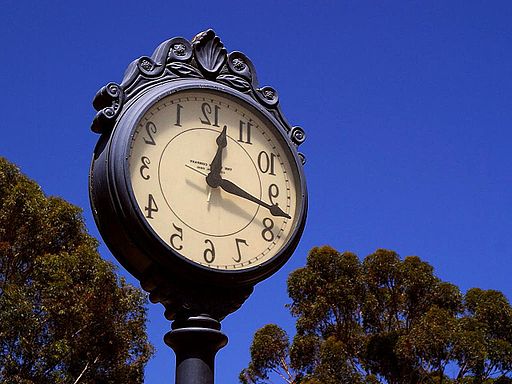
(209, 53)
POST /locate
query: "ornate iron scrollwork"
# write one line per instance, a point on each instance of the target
(205, 57)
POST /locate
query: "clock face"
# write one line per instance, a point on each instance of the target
(214, 180)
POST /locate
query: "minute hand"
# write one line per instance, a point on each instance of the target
(234, 189)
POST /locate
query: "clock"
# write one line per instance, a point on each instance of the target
(213, 180)
(196, 178)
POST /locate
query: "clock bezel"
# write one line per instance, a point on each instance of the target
(141, 237)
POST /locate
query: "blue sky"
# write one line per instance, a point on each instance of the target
(407, 106)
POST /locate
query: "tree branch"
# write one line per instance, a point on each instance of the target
(282, 376)
(286, 368)
(85, 369)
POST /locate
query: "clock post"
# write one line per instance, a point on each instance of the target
(196, 312)
(197, 187)
(195, 341)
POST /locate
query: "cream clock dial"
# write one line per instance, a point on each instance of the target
(214, 180)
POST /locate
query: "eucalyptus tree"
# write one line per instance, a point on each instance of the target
(65, 316)
(383, 320)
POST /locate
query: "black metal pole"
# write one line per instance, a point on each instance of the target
(195, 341)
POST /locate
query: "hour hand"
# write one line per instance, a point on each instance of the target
(234, 189)
(216, 165)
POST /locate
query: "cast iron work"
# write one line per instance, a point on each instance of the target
(196, 341)
(195, 304)
(205, 57)
(195, 299)
(176, 63)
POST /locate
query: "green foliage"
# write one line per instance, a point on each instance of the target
(384, 320)
(64, 315)
(269, 352)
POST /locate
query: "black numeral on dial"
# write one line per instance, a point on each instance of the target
(151, 207)
(273, 192)
(179, 107)
(145, 165)
(177, 237)
(245, 132)
(267, 233)
(266, 163)
(238, 242)
(207, 112)
(209, 253)
(150, 130)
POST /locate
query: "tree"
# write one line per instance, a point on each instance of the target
(384, 320)
(64, 315)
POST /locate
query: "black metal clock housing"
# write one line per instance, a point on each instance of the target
(196, 184)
